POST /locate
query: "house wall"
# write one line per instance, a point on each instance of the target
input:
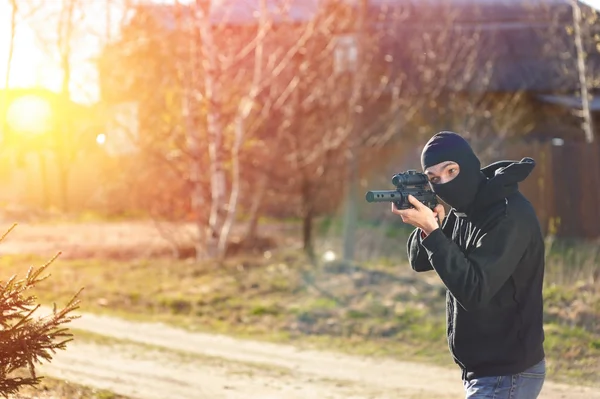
(564, 186)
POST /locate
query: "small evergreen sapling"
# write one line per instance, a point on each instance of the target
(27, 339)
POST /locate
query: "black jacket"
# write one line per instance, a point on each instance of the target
(492, 264)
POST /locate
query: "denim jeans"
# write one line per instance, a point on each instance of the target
(525, 385)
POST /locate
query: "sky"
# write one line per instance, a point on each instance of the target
(28, 67)
(35, 60)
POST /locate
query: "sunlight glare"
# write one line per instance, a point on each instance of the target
(29, 114)
(329, 256)
(101, 138)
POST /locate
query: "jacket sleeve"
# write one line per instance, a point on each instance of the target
(417, 255)
(474, 279)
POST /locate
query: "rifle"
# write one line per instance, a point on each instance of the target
(408, 183)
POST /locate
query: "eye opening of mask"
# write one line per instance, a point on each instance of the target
(443, 172)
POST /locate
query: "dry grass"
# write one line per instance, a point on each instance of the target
(117, 241)
(120, 240)
(51, 388)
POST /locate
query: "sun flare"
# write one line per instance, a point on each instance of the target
(30, 65)
(29, 114)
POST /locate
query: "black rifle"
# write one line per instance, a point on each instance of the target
(408, 183)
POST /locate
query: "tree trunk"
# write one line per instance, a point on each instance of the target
(214, 129)
(244, 109)
(308, 213)
(357, 119)
(44, 180)
(63, 185)
(581, 71)
(307, 230)
(259, 193)
(195, 147)
(197, 201)
(351, 210)
(66, 126)
(240, 127)
(11, 50)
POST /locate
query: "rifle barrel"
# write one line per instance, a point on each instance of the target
(383, 196)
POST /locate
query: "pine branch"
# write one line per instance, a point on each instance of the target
(26, 339)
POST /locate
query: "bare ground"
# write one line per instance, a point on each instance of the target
(111, 240)
(86, 240)
(155, 361)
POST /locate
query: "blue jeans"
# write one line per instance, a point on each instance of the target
(525, 385)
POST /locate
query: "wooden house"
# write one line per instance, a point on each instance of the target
(504, 73)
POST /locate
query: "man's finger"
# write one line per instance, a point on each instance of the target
(415, 202)
(407, 213)
(396, 210)
(440, 213)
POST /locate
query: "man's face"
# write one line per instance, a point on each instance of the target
(442, 172)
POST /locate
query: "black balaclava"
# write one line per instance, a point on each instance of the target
(460, 192)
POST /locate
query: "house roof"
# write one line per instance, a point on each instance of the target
(247, 11)
(238, 12)
(496, 45)
(466, 11)
(571, 102)
(518, 45)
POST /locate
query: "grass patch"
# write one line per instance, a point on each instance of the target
(52, 388)
(378, 309)
(575, 350)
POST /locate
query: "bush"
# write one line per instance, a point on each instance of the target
(26, 339)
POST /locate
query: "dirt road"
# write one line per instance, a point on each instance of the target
(155, 361)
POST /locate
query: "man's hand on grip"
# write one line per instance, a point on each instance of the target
(440, 213)
(421, 216)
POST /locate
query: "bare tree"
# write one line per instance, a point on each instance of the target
(57, 27)
(65, 150)
(256, 74)
(356, 109)
(322, 125)
(237, 82)
(212, 95)
(581, 72)
(9, 58)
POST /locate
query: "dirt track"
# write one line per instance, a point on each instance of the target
(158, 362)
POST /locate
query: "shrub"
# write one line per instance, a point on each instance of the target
(27, 338)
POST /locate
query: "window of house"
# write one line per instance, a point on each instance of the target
(345, 53)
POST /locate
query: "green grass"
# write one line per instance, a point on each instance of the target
(379, 309)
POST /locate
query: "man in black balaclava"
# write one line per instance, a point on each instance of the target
(450, 147)
(489, 253)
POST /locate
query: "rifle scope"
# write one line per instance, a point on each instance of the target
(409, 178)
